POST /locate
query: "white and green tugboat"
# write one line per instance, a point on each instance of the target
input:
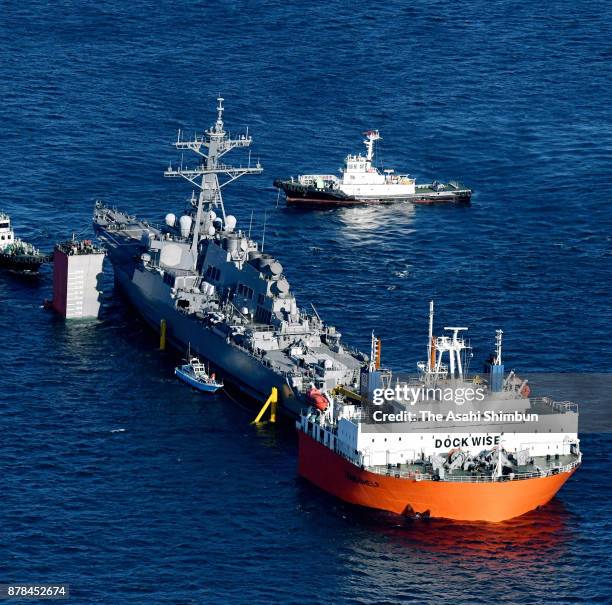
(361, 183)
(15, 254)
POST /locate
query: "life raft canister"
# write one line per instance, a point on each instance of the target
(317, 399)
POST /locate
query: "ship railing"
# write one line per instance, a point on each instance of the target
(356, 415)
(565, 406)
(416, 476)
(261, 357)
(318, 431)
(308, 179)
(257, 327)
(557, 406)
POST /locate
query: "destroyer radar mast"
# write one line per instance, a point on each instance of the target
(205, 177)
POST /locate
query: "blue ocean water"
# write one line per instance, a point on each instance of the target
(132, 488)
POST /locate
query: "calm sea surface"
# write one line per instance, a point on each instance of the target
(132, 488)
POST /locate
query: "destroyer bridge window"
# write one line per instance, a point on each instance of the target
(213, 273)
(245, 291)
(263, 315)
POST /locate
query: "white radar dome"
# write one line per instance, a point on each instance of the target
(230, 222)
(170, 219)
(282, 286)
(211, 230)
(185, 224)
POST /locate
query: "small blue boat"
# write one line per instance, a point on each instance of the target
(195, 375)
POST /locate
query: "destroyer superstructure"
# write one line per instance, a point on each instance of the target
(213, 288)
(361, 182)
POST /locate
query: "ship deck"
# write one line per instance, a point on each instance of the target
(541, 467)
(447, 188)
(283, 361)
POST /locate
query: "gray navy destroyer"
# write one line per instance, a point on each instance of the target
(213, 288)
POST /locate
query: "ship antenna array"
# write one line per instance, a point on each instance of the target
(263, 237)
(467, 358)
(211, 146)
(430, 339)
(498, 346)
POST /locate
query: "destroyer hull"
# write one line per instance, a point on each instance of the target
(238, 368)
(487, 501)
(313, 200)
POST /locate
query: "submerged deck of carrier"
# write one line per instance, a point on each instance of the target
(218, 292)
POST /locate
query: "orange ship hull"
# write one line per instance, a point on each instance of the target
(491, 501)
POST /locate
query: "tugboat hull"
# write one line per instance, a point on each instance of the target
(298, 195)
(23, 263)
